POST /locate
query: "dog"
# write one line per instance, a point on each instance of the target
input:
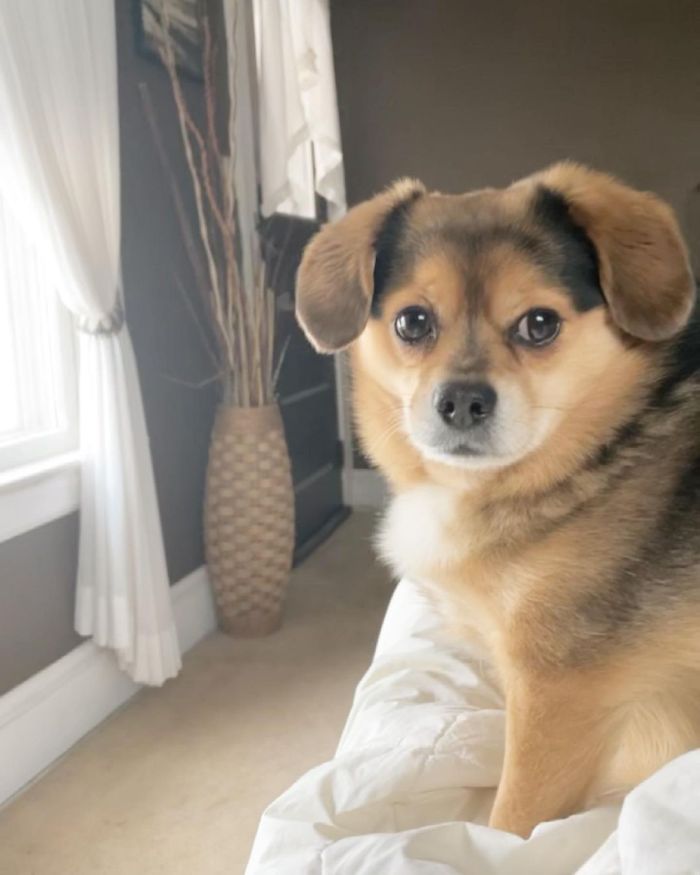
(526, 374)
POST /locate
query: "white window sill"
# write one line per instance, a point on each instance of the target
(36, 494)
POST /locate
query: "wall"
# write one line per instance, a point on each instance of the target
(37, 570)
(171, 356)
(466, 94)
(36, 599)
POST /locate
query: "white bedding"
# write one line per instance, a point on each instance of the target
(411, 785)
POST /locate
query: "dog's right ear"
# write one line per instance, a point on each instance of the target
(335, 281)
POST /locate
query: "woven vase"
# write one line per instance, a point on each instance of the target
(249, 518)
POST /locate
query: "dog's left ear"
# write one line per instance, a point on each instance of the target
(335, 281)
(643, 263)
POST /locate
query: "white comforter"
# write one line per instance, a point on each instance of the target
(412, 782)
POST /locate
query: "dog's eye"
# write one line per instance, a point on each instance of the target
(537, 327)
(413, 324)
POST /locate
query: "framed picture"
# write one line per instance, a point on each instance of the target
(185, 28)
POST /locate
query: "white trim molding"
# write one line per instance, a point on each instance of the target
(36, 494)
(46, 715)
(362, 487)
(193, 606)
(342, 390)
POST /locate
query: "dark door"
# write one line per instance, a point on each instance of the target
(307, 395)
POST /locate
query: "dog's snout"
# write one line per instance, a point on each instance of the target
(463, 405)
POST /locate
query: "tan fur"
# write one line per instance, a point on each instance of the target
(525, 553)
(336, 272)
(641, 250)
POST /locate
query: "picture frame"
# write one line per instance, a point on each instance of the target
(185, 30)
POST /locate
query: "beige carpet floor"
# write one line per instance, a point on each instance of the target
(175, 781)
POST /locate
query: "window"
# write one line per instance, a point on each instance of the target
(38, 391)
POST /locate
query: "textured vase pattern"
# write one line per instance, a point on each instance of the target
(249, 518)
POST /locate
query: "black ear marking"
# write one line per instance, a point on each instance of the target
(387, 246)
(643, 263)
(335, 280)
(575, 258)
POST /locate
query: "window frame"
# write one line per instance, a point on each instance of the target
(40, 459)
(41, 348)
(36, 448)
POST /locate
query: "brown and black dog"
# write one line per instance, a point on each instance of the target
(527, 376)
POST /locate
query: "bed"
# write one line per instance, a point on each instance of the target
(410, 787)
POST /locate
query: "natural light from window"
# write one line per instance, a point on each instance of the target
(37, 355)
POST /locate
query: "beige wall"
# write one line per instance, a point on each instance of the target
(464, 93)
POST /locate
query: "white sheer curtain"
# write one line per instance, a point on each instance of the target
(59, 161)
(300, 147)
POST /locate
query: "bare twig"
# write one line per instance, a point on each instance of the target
(243, 320)
(184, 223)
(191, 385)
(183, 218)
(198, 322)
(280, 360)
(232, 112)
(209, 91)
(186, 125)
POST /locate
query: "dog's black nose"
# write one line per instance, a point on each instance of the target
(463, 405)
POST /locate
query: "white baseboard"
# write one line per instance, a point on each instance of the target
(364, 488)
(47, 714)
(193, 606)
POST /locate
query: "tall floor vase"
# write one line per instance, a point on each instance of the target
(249, 519)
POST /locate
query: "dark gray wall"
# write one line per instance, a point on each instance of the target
(37, 580)
(467, 94)
(168, 347)
(37, 570)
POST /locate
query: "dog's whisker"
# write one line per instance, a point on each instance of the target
(394, 428)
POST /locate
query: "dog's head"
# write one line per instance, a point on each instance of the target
(487, 320)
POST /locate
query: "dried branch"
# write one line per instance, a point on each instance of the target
(200, 384)
(243, 320)
(186, 123)
(232, 113)
(215, 359)
(184, 223)
(280, 361)
(210, 91)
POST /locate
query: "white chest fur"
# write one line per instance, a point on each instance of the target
(422, 533)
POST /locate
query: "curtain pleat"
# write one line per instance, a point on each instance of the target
(300, 147)
(59, 166)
